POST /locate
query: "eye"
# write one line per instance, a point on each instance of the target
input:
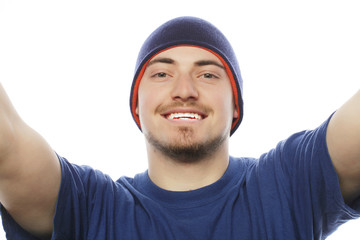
(209, 76)
(160, 75)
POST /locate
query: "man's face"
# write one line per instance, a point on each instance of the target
(185, 102)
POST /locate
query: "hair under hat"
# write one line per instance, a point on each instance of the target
(189, 31)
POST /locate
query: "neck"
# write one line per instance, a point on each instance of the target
(174, 175)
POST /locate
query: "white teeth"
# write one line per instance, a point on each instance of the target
(194, 116)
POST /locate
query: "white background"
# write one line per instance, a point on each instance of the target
(68, 66)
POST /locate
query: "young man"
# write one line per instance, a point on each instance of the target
(187, 100)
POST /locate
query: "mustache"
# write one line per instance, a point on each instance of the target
(197, 106)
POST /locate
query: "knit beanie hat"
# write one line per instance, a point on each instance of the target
(189, 31)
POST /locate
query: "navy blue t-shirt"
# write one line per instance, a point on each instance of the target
(291, 192)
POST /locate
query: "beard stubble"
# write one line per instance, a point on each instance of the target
(183, 149)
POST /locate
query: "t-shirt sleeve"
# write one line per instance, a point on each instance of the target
(79, 185)
(82, 189)
(304, 173)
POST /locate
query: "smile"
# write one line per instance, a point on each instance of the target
(184, 116)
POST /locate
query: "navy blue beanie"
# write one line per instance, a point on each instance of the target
(189, 31)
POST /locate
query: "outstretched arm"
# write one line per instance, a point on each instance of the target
(343, 140)
(29, 172)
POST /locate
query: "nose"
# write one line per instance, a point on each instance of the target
(184, 88)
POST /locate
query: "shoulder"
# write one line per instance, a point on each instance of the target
(303, 145)
(85, 181)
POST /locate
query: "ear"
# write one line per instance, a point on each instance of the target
(137, 110)
(236, 113)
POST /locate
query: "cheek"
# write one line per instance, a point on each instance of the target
(148, 99)
(224, 101)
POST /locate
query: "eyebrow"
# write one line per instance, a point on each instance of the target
(198, 63)
(209, 62)
(161, 60)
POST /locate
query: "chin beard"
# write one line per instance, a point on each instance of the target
(184, 149)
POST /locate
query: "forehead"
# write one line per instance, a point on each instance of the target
(187, 53)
